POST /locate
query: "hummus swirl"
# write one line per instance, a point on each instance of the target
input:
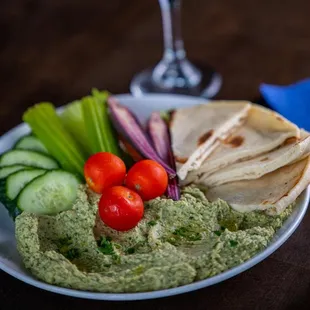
(176, 243)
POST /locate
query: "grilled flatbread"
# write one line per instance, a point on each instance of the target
(263, 131)
(195, 131)
(260, 165)
(272, 192)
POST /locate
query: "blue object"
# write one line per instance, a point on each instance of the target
(292, 101)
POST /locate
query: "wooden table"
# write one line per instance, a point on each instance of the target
(58, 50)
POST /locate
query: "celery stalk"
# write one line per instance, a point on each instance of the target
(72, 119)
(111, 134)
(47, 126)
(100, 133)
(102, 96)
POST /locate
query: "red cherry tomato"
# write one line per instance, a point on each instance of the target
(120, 208)
(148, 178)
(104, 170)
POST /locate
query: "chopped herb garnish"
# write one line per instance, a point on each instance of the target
(180, 232)
(187, 234)
(233, 243)
(135, 247)
(117, 246)
(172, 240)
(116, 258)
(152, 223)
(106, 246)
(130, 251)
(64, 241)
(65, 248)
(217, 232)
(229, 224)
(72, 253)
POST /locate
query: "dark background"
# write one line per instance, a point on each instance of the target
(57, 50)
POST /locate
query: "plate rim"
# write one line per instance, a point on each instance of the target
(31, 280)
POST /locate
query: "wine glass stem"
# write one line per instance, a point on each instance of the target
(173, 43)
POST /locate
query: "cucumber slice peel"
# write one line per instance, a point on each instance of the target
(50, 193)
(27, 158)
(7, 170)
(18, 180)
(8, 204)
(30, 143)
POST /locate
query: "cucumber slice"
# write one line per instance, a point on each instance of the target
(50, 193)
(5, 171)
(17, 181)
(27, 158)
(30, 143)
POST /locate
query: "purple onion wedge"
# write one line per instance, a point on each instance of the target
(126, 123)
(159, 134)
(173, 189)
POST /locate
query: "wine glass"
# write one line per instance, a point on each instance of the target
(175, 73)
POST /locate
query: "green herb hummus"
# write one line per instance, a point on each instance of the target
(176, 243)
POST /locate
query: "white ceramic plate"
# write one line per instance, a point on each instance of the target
(10, 260)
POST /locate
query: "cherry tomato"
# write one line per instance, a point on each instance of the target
(120, 208)
(104, 170)
(148, 178)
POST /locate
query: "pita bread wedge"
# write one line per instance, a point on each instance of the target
(258, 166)
(272, 192)
(194, 131)
(263, 131)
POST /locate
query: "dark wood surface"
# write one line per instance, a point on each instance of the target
(58, 50)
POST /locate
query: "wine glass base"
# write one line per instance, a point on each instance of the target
(209, 86)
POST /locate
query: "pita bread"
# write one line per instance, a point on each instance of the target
(263, 131)
(258, 166)
(272, 192)
(194, 130)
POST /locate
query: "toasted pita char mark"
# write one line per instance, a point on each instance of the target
(291, 140)
(199, 119)
(234, 141)
(279, 118)
(202, 139)
(256, 167)
(285, 195)
(181, 160)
